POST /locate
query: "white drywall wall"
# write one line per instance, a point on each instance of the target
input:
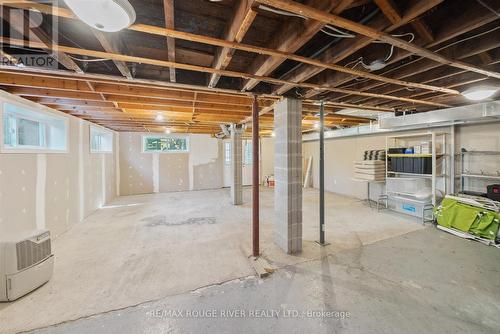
(143, 173)
(53, 190)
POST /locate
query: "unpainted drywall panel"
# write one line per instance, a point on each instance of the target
(173, 172)
(207, 176)
(136, 168)
(205, 161)
(61, 189)
(92, 177)
(58, 191)
(110, 175)
(45, 190)
(267, 157)
(18, 176)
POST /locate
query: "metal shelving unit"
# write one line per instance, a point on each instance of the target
(468, 175)
(425, 206)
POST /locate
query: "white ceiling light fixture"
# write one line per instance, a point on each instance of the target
(480, 93)
(104, 15)
(168, 131)
(159, 118)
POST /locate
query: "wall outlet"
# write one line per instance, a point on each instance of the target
(334, 181)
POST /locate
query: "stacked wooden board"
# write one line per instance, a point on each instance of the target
(370, 170)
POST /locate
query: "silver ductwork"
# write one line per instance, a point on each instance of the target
(476, 113)
(225, 130)
(473, 113)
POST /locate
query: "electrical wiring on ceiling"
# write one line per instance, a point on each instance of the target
(335, 32)
(88, 60)
(338, 33)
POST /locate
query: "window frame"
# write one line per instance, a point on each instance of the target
(165, 136)
(35, 109)
(93, 129)
(247, 146)
(228, 153)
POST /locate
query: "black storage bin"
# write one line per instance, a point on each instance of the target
(408, 165)
(396, 150)
(427, 165)
(394, 164)
(422, 165)
(399, 165)
(418, 166)
(494, 192)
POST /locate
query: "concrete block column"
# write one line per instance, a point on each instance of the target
(288, 175)
(236, 165)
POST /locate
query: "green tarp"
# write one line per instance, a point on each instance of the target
(466, 218)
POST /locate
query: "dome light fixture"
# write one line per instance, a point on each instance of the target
(480, 93)
(159, 118)
(104, 15)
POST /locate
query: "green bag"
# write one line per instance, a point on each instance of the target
(467, 218)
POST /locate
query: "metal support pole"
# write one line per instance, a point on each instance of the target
(255, 177)
(322, 175)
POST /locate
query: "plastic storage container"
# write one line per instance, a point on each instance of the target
(420, 209)
(419, 188)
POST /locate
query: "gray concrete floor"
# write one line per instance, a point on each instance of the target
(422, 282)
(190, 250)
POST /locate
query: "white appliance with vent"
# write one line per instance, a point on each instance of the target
(26, 262)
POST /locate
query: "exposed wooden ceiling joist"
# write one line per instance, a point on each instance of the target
(240, 23)
(112, 44)
(245, 47)
(168, 8)
(343, 23)
(407, 70)
(455, 27)
(390, 10)
(162, 63)
(347, 47)
(291, 36)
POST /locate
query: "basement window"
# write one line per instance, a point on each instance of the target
(227, 153)
(101, 140)
(248, 157)
(165, 144)
(33, 130)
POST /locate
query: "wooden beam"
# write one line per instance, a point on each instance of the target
(388, 7)
(458, 51)
(110, 43)
(259, 50)
(291, 36)
(472, 19)
(485, 57)
(34, 77)
(120, 57)
(168, 8)
(241, 21)
(423, 30)
(347, 47)
(343, 23)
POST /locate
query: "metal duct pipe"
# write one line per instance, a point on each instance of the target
(225, 130)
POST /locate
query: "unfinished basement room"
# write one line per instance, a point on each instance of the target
(250, 166)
